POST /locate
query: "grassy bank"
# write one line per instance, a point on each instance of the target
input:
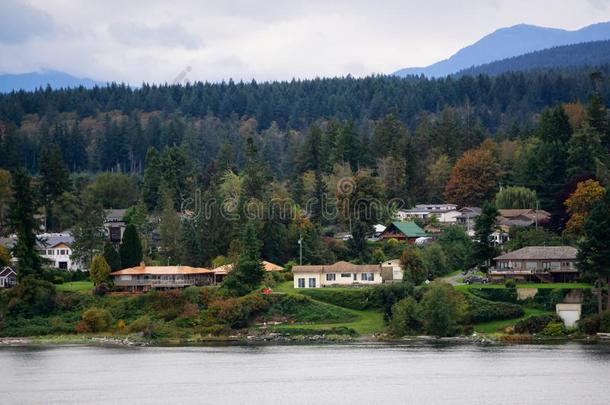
(550, 286)
(499, 326)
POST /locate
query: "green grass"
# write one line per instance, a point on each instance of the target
(367, 322)
(496, 326)
(529, 285)
(75, 286)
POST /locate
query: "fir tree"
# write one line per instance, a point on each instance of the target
(152, 179)
(100, 270)
(21, 220)
(484, 249)
(248, 272)
(88, 232)
(54, 180)
(112, 257)
(131, 248)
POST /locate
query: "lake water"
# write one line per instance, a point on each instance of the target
(328, 374)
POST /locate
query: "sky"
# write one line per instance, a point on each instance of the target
(137, 41)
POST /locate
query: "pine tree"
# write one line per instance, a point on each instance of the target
(484, 249)
(317, 205)
(21, 220)
(248, 272)
(169, 227)
(54, 179)
(152, 179)
(594, 249)
(131, 248)
(112, 257)
(597, 117)
(88, 232)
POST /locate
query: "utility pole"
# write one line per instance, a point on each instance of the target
(300, 249)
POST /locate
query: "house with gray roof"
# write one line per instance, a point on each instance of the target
(8, 277)
(537, 263)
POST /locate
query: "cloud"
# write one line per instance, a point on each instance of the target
(165, 35)
(21, 21)
(599, 4)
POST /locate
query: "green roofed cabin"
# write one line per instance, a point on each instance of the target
(403, 230)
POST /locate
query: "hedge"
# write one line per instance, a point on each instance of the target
(481, 310)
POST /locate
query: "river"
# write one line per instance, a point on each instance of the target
(316, 374)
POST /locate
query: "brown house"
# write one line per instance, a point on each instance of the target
(537, 263)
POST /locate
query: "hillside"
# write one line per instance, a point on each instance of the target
(585, 54)
(509, 42)
(34, 80)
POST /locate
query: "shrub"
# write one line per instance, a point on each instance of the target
(121, 326)
(482, 310)
(443, 309)
(595, 323)
(141, 325)
(303, 309)
(95, 320)
(510, 283)
(167, 305)
(535, 324)
(32, 297)
(496, 294)
(236, 312)
(554, 329)
(192, 294)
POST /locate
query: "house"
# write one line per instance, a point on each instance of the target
(522, 217)
(8, 277)
(340, 273)
(403, 230)
(537, 263)
(114, 224)
(445, 213)
(468, 217)
(220, 272)
(391, 271)
(56, 249)
(377, 231)
(146, 278)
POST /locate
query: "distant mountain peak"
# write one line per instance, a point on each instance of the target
(33, 80)
(509, 42)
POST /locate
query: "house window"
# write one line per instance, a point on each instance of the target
(331, 277)
(312, 283)
(50, 252)
(345, 275)
(63, 252)
(355, 277)
(301, 282)
(367, 276)
(63, 265)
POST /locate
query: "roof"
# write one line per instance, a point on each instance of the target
(161, 270)
(49, 240)
(339, 267)
(7, 271)
(541, 253)
(114, 215)
(226, 268)
(409, 228)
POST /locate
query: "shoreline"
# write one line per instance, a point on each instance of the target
(132, 341)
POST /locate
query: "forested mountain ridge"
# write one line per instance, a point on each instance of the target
(585, 54)
(509, 42)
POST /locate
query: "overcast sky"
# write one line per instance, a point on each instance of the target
(161, 41)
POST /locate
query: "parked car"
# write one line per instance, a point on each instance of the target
(474, 279)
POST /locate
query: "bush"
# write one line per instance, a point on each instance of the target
(298, 308)
(481, 310)
(32, 297)
(141, 325)
(192, 294)
(535, 324)
(406, 318)
(166, 305)
(547, 299)
(496, 294)
(95, 320)
(595, 323)
(554, 329)
(235, 312)
(510, 284)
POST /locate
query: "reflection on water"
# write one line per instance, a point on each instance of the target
(332, 374)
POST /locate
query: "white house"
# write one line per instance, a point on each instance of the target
(338, 274)
(8, 277)
(56, 249)
(446, 213)
(114, 224)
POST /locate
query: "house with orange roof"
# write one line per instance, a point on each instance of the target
(145, 278)
(220, 272)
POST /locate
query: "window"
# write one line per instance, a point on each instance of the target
(345, 275)
(63, 265)
(331, 277)
(63, 252)
(367, 277)
(312, 283)
(355, 276)
(50, 252)
(301, 283)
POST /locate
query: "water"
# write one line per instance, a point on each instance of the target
(348, 374)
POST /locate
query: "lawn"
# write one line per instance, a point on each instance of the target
(75, 286)
(495, 326)
(529, 285)
(366, 323)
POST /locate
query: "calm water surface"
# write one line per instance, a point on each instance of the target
(359, 374)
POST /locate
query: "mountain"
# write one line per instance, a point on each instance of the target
(32, 81)
(507, 43)
(585, 54)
